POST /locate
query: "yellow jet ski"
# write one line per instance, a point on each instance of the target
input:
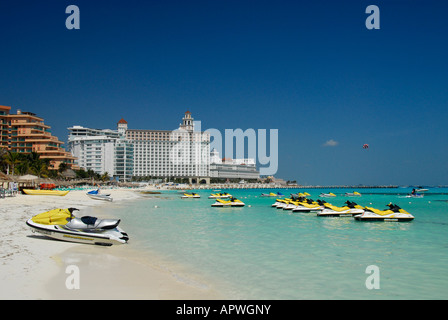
(353, 194)
(233, 202)
(351, 209)
(394, 213)
(220, 195)
(327, 195)
(190, 196)
(280, 203)
(308, 205)
(61, 224)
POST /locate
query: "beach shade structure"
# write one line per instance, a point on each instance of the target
(28, 177)
(4, 177)
(69, 173)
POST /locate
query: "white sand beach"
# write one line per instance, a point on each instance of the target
(34, 267)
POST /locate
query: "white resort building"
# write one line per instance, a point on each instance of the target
(103, 150)
(180, 153)
(123, 153)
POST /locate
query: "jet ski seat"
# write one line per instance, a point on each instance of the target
(89, 220)
(92, 223)
(379, 212)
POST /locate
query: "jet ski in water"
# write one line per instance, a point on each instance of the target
(233, 202)
(352, 194)
(190, 196)
(280, 203)
(272, 194)
(308, 205)
(61, 224)
(327, 195)
(351, 209)
(394, 213)
(220, 195)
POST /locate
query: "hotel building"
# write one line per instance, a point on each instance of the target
(180, 153)
(103, 150)
(25, 132)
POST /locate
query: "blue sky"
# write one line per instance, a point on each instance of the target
(310, 69)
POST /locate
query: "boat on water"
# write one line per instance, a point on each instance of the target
(232, 202)
(45, 192)
(349, 210)
(97, 195)
(220, 195)
(190, 196)
(394, 213)
(327, 195)
(61, 224)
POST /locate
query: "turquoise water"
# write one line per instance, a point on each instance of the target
(260, 252)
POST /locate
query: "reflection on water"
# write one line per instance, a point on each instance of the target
(340, 223)
(386, 226)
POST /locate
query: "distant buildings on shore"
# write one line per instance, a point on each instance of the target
(125, 154)
(25, 132)
(226, 168)
(182, 154)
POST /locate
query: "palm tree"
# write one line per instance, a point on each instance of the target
(62, 167)
(3, 153)
(32, 157)
(37, 167)
(12, 159)
(40, 166)
(23, 167)
(105, 177)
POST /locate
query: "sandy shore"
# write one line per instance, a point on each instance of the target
(35, 267)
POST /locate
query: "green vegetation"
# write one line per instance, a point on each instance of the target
(31, 163)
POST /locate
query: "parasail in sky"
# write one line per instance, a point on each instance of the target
(365, 146)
